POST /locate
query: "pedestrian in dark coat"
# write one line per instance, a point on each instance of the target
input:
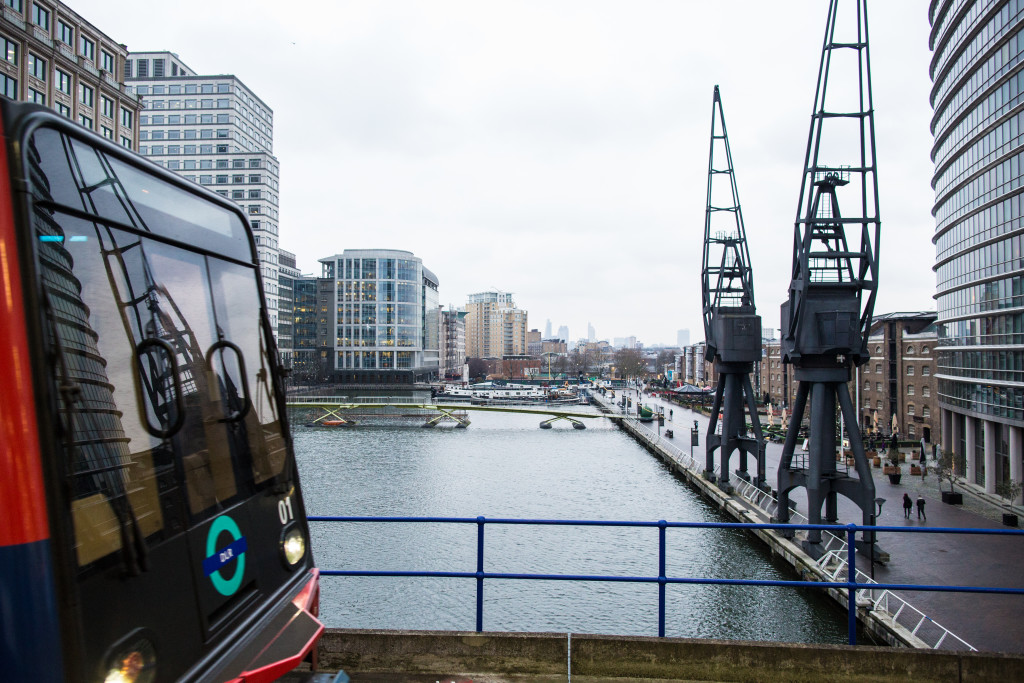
(920, 508)
(908, 505)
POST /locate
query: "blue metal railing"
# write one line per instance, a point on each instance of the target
(851, 585)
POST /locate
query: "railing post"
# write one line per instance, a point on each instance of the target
(851, 579)
(662, 524)
(479, 574)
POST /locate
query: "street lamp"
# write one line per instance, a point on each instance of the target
(874, 534)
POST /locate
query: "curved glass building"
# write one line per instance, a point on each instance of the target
(977, 95)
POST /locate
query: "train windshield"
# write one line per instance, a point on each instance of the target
(168, 413)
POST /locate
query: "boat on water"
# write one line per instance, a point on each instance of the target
(494, 392)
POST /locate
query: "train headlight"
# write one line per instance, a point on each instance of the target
(293, 546)
(133, 663)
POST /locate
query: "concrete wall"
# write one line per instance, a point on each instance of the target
(546, 657)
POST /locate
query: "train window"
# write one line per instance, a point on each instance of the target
(173, 408)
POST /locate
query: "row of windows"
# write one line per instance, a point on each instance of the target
(990, 330)
(997, 258)
(375, 359)
(986, 399)
(258, 130)
(188, 119)
(190, 134)
(379, 314)
(198, 89)
(925, 391)
(982, 298)
(378, 335)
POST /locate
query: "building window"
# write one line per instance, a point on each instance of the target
(255, 178)
(107, 106)
(254, 210)
(127, 68)
(63, 82)
(10, 51)
(206, 179)
(86, 95)
(158, 68)
(254, 163)
(926, 371)
(108, 133)
(924, 350)
(254, 194)
(238, 194)
(878, 368)
(13, 4)
(143, 68)
(65, 33)
(926, 390)
(37, 67)
(878, 405)
(910, 370)
(107, 61)
(911, 431)
(926, 412)
(878, 386)
(87, 48)
(85, 121)
(222, 179)
(41, 16)
(238, 163)
(126, 117)
(36, 96)
(63, 110)
(238, 178)
(126, 142)
(173, 165)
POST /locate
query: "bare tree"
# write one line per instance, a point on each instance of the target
(631, 363)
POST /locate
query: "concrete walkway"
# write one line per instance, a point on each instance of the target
(988, 622)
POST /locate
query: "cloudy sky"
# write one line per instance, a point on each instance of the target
(557, 150)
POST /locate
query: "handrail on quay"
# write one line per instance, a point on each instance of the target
(879, 593)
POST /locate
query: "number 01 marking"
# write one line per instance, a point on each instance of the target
(284, 510)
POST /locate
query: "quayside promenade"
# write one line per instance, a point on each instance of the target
(987, 622)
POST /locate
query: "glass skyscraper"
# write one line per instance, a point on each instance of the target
(977, 95)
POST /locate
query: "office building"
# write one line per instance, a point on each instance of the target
(896, 387)
(452, 351)
(978, 88)
(381, 306)
(495, 328)
(54, 57)
(215, 131)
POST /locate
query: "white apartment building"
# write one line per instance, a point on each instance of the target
(214, 131)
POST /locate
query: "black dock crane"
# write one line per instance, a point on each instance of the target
(826, 321)
(732, 328)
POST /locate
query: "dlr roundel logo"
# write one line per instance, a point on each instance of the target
(216, 563)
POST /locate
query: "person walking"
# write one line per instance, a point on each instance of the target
(920, 508)
(908, 505)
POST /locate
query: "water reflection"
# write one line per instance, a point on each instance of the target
(504, 466)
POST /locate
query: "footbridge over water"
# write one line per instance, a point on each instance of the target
(344, 411)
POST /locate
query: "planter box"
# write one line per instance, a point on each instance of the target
(952, 498)
(915, 470)
(876, 461)
(1009, 519)
(891, 469)
(895, 478)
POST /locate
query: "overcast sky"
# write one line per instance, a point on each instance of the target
(557, 150)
